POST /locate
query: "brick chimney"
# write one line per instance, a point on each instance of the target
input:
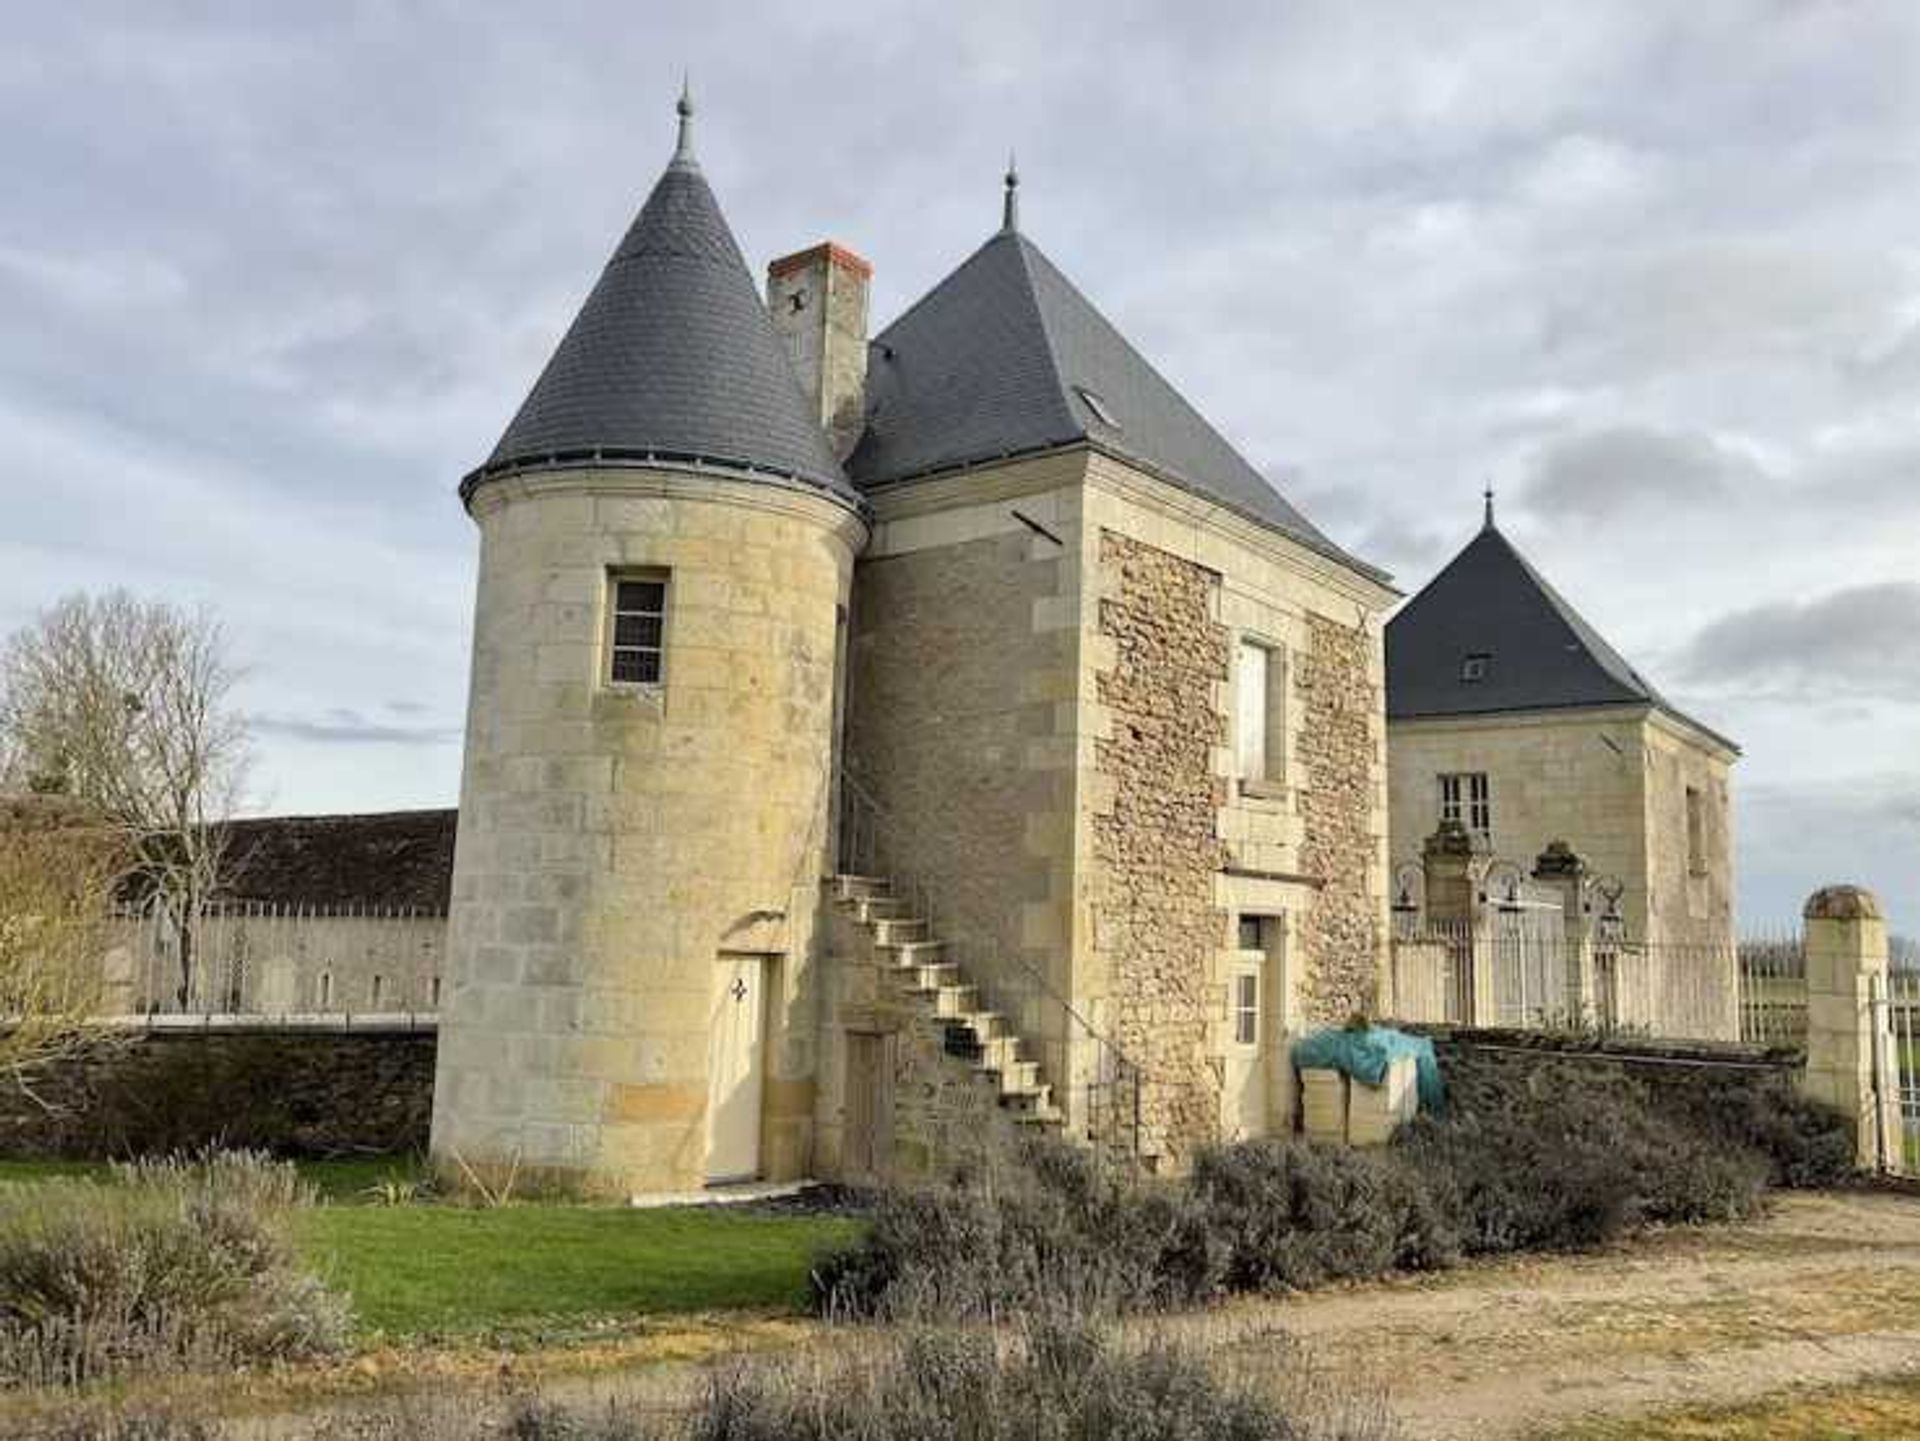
(818, 299)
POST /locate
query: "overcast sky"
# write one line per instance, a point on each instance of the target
(273, 278)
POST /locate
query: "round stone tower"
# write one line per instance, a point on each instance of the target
(666, 544)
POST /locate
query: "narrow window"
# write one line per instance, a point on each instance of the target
(1246, 1008)
(1475, 667)
(374, 993)
(1467, 800)
(637, 626)
(326, 989)
(1696, 832)
(433, 990)
(1260, 718)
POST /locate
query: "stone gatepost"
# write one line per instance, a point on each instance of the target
(1562, 871)
(1456, 862)
(1850, 1057)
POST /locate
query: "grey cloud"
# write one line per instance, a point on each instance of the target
(350, 728)
(1797, 837)
(281, 284)
(1862, 640)
(1601, 474)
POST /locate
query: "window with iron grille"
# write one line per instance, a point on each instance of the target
(636, 629)
(1466, 799)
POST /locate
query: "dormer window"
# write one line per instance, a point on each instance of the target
(1475, 667)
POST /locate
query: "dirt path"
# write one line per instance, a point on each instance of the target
(1825, 1290)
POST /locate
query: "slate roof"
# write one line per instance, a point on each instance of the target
(996, 360)
(1541, 654)
(394, 860)
(673, 357)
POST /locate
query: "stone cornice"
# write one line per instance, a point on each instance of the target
(675, 483)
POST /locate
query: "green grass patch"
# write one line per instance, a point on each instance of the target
(451, 1271)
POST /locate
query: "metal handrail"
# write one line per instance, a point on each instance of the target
(862, 820)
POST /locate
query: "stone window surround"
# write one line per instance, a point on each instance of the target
(1276, 757)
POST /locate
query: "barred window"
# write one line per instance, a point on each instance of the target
(1465, 798)
(637, 629)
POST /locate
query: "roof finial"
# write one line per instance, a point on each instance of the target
(683, 151)
(1010, 210)
(1488, 494)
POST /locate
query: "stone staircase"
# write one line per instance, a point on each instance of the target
(918, 960)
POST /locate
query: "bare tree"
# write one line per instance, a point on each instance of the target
(125, 706)
(57, 879)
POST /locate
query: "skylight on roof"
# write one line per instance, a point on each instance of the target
(1097, 405)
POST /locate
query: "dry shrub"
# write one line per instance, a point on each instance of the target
(1569, 1161)
(1053, 1234)
(174, 1265)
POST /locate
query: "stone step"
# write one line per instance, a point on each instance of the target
(898, 932)
(998, 1052)
(881, 908)
(1018, 1078)
(952, 1002)
(856, 888)
(985, 1025)
(909, 955)
(1035, 1098)
(936, 977)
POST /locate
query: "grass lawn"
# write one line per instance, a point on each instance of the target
(1886, 1410)
(441, 1270)
(451, 1271)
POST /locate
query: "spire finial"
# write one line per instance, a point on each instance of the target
(1010, 208)
(1488, 495)
(683, 150)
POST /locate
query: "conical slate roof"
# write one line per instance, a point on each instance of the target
(1537, 651)
(1006, 356)
(672, 358)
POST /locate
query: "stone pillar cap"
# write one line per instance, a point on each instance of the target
(1451, 838)
(1842, 903)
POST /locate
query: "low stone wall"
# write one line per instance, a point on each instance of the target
(315, 1090)
(1483, 1066)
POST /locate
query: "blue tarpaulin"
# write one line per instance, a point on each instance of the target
(1364, 1055)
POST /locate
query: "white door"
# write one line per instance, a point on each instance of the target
(736, 1068)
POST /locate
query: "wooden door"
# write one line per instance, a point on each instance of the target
(867, 1112)
(736, 1068)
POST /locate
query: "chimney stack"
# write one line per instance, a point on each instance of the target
(818, 299)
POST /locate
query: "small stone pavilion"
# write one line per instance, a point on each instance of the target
(1511, 716)
(878, 741)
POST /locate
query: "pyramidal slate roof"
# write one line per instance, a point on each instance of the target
(672, 358)
(1539, 653)
(1005, 357)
